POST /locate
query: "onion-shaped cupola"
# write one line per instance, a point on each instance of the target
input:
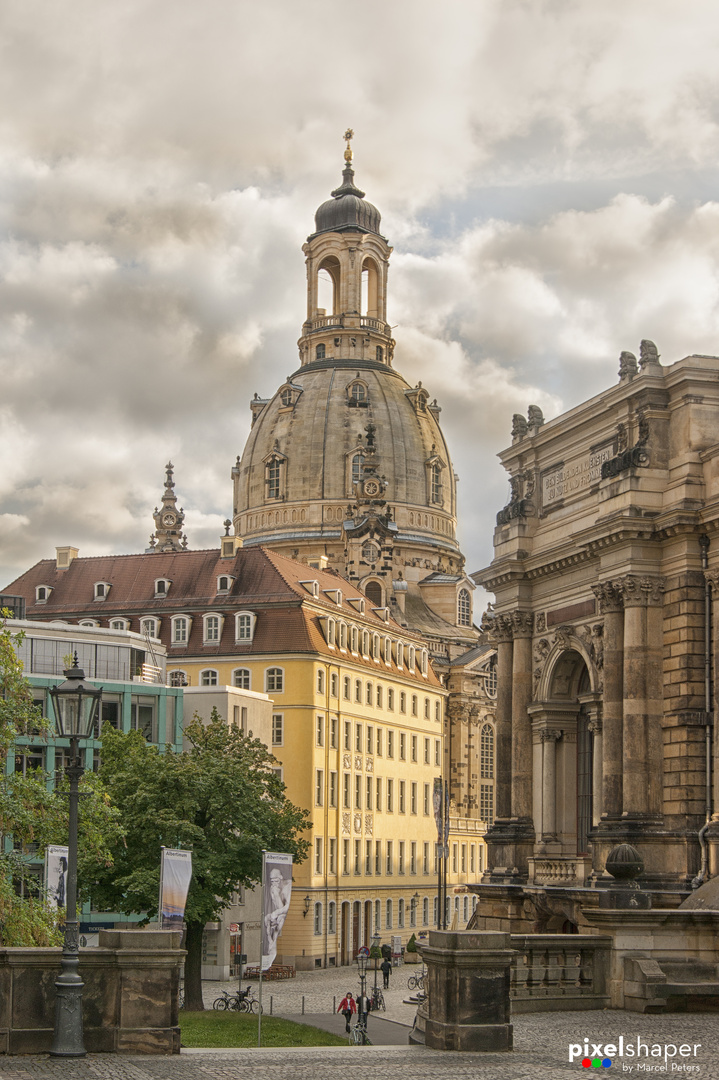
(347, 209)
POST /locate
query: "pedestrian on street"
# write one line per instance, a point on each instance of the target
(363, 1007)
(348, 1005)
(385, 967)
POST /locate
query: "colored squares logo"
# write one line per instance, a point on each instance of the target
(596, 1063)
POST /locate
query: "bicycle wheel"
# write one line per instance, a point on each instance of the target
(220, 1004)
(420, 982)
(254, 1006)
(381, 1002)
(355, 1037)
(412, 982)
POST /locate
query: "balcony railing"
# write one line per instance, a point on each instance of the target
(560, 971)
(366, 322)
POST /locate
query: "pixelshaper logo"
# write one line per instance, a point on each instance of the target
(667, 1057)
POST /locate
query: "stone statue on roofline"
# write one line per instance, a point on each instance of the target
(648, 354)
(627, 366)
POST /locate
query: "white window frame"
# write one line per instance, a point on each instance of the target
(46, 589)
(208, 672)
(245, 638)
(101, 590)
(178, 682)
(278, 725)
(154, 631)
(249, 680)
(274, 671)
(160, 593)
(206, 639)
(124, 624)
(175, 640)
(89, 622)
(230, 582)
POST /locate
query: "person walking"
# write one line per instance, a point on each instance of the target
(385, 967)
(348, 1005)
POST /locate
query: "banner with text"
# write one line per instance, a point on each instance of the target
(276, 896)
(175, 876)
(56, 874)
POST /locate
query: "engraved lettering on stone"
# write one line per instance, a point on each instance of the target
(573, 476)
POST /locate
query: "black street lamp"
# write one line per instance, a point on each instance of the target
(362, 959)
(76, 704)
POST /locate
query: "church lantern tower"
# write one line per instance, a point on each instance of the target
(346, 466)
(168, 518)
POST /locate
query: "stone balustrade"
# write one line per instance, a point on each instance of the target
(560, 971)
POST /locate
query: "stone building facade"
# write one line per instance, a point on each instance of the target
(605, 562)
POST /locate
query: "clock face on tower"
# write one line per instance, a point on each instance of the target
(168, 519)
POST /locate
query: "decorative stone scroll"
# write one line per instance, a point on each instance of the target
(346, 822)
(368, 824)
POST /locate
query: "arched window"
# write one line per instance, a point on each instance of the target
(275, 680)
(273, 477)
(149, 627)
(425, 911)
(178, 678)
(491, 679)
(464, 608)
(375, 646)
(241, 678)
(354, 638)
(388, 915)
(436, 484)
(379, 354)
(358, 391)
(319, 354)
(486, 752)
(400, 913)
(343, 635)
(318, 918)
(365, 642)
(244, 626)
(208, 677)
(369, 552)
(410, 658)
(180, 630)
(331, 917)
(357, 468)
(373, 592)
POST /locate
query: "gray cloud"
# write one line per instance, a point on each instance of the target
(542, 170)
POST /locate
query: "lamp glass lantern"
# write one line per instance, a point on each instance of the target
(76, 704)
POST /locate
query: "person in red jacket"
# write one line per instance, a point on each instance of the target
(348, 1006)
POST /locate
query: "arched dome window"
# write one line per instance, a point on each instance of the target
(320, 352)
(357, 461)
(436, 493)
(464, 608)
(358, 394)
(373, 592)
(379, 354)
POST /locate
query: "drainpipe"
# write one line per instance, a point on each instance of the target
(702, 875)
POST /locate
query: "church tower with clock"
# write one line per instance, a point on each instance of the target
(168, 535)
(346, 466)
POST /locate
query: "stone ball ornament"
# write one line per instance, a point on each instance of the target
(624, 863)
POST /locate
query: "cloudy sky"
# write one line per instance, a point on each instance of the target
(546, 171)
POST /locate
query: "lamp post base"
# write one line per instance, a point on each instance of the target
(68, 1036)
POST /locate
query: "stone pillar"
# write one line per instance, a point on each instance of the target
(549, 737)
(503, 722)
(611, 606)
(521, 725)
(595, 726)
(642, 734)
(468, 978)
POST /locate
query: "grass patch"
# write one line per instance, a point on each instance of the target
(224, 1029)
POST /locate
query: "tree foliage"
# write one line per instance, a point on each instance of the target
(220, 798)
(34, 810)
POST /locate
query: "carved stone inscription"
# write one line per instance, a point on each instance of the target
(573, 476)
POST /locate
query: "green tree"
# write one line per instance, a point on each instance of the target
(220, 798)
(34, 809)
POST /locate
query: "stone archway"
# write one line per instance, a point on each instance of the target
(566, 762)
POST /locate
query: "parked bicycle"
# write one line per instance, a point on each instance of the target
(358, 1035)
(240, 1001)
(416, 982)
(378, 1000)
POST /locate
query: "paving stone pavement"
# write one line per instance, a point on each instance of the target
(321, 989)
(541, 1049)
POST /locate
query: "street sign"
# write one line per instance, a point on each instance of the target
(364, 951)
(234, 928)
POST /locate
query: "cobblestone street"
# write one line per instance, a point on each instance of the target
(541, 1043)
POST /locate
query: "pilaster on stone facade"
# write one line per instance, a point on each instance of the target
(611, 605)
(642, 713)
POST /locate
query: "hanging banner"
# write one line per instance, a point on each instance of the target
(446, 819)
(437, 806)
(175, 875)
(276, 895)
(56, 874)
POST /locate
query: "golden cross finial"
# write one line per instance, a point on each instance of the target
(348, 135)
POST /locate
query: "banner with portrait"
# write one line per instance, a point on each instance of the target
(175, 877)
(276, 896)
(56, 875)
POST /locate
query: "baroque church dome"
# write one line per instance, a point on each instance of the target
(346, 466)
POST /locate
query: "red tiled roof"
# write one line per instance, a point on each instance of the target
(265, 582)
